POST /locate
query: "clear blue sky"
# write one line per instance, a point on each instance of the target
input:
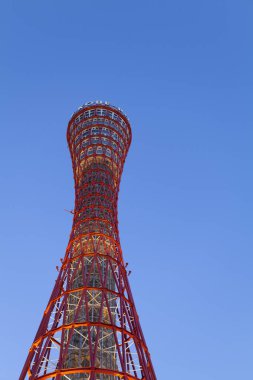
(182, 71)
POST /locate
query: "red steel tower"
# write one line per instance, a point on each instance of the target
(90, 329)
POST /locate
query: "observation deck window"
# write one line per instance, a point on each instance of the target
(115, 116)
(108, 152)
(114, 145)
(90, 151)
(101, 112)
(95, 130)
(94, 140)
(115, 136)
(85, 143)
(106, 131)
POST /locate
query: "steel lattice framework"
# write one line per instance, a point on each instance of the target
(90, 328)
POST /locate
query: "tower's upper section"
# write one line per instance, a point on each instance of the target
(99, 136)
(98, 133)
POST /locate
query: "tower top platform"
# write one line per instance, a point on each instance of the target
(99, 103)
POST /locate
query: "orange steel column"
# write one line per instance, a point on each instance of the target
(90, 328)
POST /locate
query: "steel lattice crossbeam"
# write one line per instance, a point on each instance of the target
(90, 329)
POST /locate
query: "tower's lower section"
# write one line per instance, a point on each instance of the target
(90, 328)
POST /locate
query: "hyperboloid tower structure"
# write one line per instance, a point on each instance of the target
(90, 329)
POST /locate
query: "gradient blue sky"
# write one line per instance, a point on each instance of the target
(182, 71)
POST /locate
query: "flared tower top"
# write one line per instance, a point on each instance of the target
(100, 109)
